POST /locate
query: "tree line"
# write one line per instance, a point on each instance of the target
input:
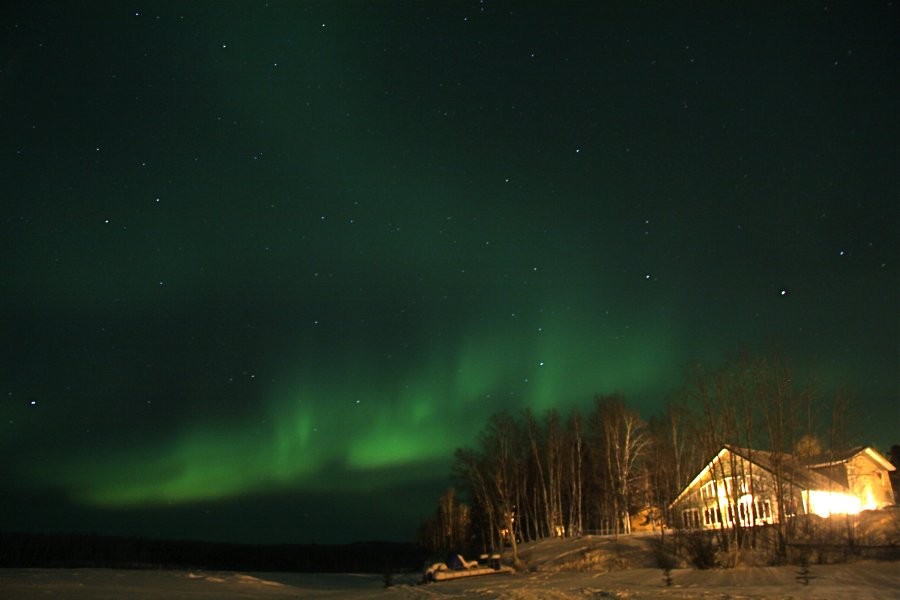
(607, 469)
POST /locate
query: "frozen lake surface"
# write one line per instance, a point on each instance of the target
(869, 580)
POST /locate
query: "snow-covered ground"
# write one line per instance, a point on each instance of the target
(580, 568)
(859, 581)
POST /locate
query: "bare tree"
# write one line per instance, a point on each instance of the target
(449, 528)
(553, 449)
(471, 467)
(675, 453)
(498, 439)
(575, 460)
(624, 441)
(540, 483)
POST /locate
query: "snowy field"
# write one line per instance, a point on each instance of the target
(560, 569)
(859, 581)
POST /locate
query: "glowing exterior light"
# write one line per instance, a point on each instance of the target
(824, 503)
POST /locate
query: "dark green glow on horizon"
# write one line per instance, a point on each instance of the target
(314, 433)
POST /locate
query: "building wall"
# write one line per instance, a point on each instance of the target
(869, 481)
(734, 492)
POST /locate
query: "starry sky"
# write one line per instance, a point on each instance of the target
(265, 265)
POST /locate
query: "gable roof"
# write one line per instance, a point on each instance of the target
(700, 475)
(835, 458)
(793, 471)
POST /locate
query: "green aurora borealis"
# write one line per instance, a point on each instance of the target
(266, 265)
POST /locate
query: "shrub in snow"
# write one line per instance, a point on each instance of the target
(700, 549)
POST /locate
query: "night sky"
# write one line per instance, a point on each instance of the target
(265, 265)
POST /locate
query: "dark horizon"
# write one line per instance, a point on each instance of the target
(266, 265)
(75, 551)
